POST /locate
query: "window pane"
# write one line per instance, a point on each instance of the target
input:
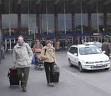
(96, 20)
(28, 21)
(84, 19)
(47, 22)
(64, 22)
(9, 20)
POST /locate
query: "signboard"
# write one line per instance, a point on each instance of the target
(96, 34)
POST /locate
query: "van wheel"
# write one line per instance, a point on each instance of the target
(80, 67)
(70, 62)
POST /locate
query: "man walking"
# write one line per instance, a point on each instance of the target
(105, 47)
(22, 54)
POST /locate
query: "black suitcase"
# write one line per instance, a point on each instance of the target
(13, 76)
(55, 74)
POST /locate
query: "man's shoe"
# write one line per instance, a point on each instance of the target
(21, 84)
(24, 90)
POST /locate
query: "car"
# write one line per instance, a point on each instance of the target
(98, 44)
(87, 57)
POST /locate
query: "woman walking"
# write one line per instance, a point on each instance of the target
(48, 55)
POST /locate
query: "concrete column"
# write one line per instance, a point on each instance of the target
(73, 22)
(0, 21)
(0, 28)
(73, 28)
(38, 26)
(1, 36)
(38, 21)
(1, 11)
(19, 18)
(89, 21)
(19, 21)
(57, 35)
(56, 27)
(105, 21)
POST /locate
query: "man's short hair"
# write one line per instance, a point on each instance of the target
(20, 37)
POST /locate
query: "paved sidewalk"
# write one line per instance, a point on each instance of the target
(68, 85)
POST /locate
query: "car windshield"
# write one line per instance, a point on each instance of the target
(89, 50)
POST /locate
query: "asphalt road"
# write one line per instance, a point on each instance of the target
(72, 82)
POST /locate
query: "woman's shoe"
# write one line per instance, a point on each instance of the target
(51, 84)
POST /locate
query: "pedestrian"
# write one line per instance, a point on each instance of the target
(106, 47)
(37, 49)
(37, 46)
(57, 45)
(22, 54)
(48, 55)
(2, 50)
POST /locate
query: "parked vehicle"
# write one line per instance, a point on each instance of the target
(87, 57)
(97, 44)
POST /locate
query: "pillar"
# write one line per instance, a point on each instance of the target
(1, 36)
(57, 35)
(38, 26)
(105, 21)
(73, 22)
(89, 21)
(56, 27)
(19, 18)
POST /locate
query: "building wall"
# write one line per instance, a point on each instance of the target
(29, 21)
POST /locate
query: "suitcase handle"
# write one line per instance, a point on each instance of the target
(8, 75)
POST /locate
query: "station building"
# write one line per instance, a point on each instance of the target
(58, 20)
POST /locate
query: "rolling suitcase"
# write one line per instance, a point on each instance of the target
(13, 76)
(55, 74)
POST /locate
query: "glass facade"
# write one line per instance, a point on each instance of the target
(29, 21)
(48, 23)
(81, 20)
(109, 19)
(64, 22)
(9, 20)
(97, 20)
(55, 19)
